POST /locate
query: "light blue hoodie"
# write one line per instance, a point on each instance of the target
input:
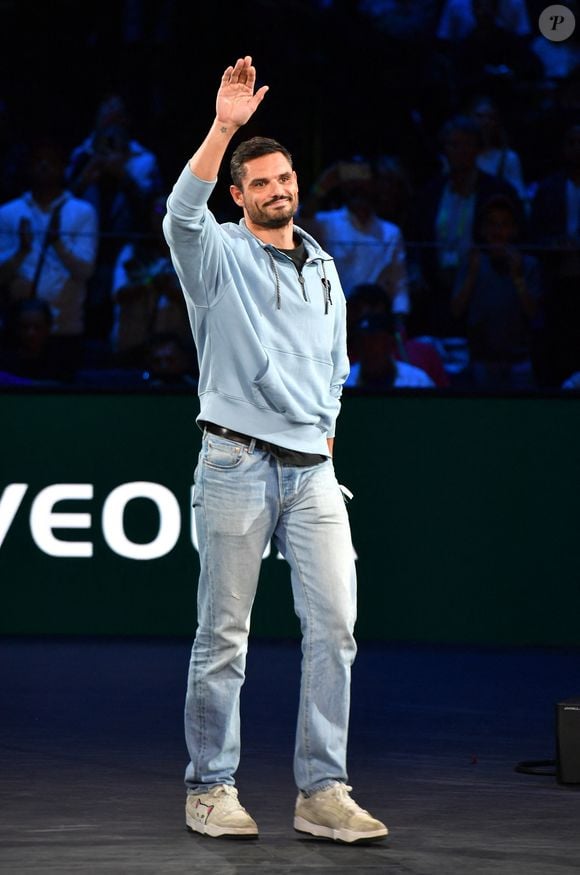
(272, 351)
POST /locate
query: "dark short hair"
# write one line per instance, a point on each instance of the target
(254, 148)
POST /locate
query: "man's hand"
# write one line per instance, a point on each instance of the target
(236, 102)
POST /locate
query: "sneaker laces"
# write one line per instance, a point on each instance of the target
(231, 797)
(341, 793)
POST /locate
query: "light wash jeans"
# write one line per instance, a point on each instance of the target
(244, 497)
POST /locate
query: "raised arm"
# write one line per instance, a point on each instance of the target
(235, 105)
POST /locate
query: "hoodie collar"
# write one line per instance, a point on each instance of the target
(314, 250)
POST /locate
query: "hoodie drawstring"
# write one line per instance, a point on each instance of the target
(326, 286)
(277, 276)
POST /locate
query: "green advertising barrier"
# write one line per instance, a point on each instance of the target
(465, 518)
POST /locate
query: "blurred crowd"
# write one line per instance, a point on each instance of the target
(437, 145)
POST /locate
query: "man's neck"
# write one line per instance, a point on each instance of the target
(363, 220)
(281, 238)
(44, 197)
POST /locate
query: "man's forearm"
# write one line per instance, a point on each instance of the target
(206, 162)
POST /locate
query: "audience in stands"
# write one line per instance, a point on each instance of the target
(555, 226)
(169, 363)
(27, 346)
(459, 18)
(380, 351)
(491, 58)
(48, 245)
(118, 176)
(146, 294)
(12, 150)
(366, 248)
(447, 212)
(406, 218)
(495, 156)
(377, 369)
(498, 294)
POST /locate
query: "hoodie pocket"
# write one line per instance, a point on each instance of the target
(302, 394)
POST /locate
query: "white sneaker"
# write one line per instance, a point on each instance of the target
(332, 814)
(219, 813)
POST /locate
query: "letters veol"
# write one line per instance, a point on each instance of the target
(46, 522)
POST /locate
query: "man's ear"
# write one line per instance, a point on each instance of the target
(237, 195)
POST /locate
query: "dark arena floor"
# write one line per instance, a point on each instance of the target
(92, 757)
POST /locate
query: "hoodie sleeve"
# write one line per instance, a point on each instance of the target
(341, 365)
(194, 238)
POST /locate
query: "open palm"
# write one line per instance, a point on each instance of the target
(236, 101)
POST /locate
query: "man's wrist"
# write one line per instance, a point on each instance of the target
(225, 128)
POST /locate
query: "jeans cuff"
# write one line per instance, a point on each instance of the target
(320, 787)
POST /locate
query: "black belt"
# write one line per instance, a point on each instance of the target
(286, 456)
(233, 435)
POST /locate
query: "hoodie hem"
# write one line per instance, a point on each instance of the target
(267, 425)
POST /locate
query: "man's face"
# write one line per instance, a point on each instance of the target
(46, 167)
(486, 116)
(461, 149)
(499, 228)
(269, 193)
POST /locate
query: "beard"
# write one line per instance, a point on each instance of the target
(264, 219)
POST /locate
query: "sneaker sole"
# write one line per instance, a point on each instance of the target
(216, 832)
(347, 836)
